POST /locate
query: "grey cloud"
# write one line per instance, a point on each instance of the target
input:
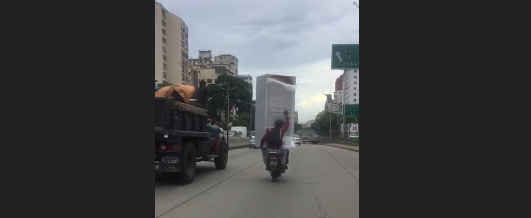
(276, 36)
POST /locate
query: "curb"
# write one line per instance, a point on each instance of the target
(238, 146)
(350, 149)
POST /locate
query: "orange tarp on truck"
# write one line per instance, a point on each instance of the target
(185, 91)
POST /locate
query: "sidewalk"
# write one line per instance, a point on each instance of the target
(347, 147)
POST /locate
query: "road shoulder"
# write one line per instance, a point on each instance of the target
(347, 147)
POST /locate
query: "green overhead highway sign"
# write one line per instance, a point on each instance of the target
(345, 56)
(352, 109)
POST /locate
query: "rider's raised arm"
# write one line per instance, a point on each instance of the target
(286, 126)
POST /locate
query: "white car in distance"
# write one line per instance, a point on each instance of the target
(297, 140)
(252, 142)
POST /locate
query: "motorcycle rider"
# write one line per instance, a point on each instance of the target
(273, 141)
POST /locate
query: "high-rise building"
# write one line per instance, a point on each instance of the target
(339, 83)
(338, 101)
(171, 48)
(351, 86)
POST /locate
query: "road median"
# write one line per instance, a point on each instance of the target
(347, 147)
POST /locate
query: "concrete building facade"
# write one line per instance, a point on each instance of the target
(171, 48)
(228, 60)
(351, 80)
(246, 78)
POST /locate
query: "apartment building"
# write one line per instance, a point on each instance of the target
(171, 49)
(204, 59)
(338, 101)
(339, 83)
(210, 75)
(228, 61)
(351, 86)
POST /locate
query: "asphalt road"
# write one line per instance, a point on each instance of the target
(321, 182)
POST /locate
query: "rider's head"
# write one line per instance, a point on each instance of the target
(279, 123)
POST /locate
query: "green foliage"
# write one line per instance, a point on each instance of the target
(322, 125)
(297, 127)
(241, 96)
(243, 120)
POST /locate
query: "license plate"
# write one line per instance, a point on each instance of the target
(273, 162)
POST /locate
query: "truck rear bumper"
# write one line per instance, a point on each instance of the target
(169, 163)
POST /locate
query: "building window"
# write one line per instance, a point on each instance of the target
(163, 32)
(163, 23)
(355, 77)
(355, 100)
(164, 49)
(164, 66)
(355, 88)
(164, 58)
(355, 94)
(355, 82)
(163, 13)
(163, 40)
(209, 80)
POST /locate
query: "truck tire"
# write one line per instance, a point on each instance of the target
(223, 156)
(188, 164)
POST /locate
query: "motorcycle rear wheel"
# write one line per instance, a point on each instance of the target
(274, 176)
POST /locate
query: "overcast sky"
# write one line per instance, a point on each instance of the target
(287, 37)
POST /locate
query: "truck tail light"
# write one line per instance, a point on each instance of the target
(167, 148)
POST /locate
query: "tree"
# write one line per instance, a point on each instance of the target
(243, 120)
(322, 124)
(315, 127)
(297, 127)
(240, 97)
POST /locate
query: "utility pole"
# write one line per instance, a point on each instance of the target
(343, 127)
(228, 89)
(330, 113)
(251, 116)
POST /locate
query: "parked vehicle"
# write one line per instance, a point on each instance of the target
(240, 130)
(252, 141)
(297, 140)
(352, 136)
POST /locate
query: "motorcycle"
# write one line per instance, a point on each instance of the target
(275, 166)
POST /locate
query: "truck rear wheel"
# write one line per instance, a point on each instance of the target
(223, 156)
(188, 164)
